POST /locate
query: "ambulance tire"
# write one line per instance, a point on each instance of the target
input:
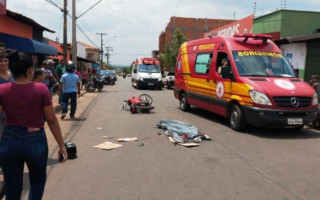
(184, 106)
(236, 118)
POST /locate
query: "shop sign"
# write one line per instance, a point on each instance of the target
(241, 26)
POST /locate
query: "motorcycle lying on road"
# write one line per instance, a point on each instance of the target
(139, 104)
(94, 83)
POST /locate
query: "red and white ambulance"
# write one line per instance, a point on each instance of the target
(256, 85)
(146, 73)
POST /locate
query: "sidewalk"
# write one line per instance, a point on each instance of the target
(55, 101)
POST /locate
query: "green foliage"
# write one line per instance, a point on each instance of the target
(110, 67)
(127, 70)
(169, 57)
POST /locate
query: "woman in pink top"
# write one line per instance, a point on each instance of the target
(24, 140)
(84, 78)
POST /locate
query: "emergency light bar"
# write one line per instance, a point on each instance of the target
(246, 36)
(148, 61)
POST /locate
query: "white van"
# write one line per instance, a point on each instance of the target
(146, 73)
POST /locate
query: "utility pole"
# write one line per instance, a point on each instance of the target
(74, 34)
(74, 31)
(108, 49)
(65, 47)
(101, 34)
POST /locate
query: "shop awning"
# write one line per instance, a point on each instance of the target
(27, 45)
(85, 60)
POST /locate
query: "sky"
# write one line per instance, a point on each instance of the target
(133, 26)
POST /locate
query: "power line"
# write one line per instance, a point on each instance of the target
(84, 34)
(129, 22)
(54, 4)
(87, 36)
(89, 9)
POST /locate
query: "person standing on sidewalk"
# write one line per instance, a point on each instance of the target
(314, 83)
(48, 74)
(24, 139)
(84, 78)
(58, 72)
(5, 77)
(70, 85)
(38, 75)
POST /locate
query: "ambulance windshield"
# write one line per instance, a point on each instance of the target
(257, 63)
(149, 68)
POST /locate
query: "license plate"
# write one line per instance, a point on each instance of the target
(294, 121)
(150, 83)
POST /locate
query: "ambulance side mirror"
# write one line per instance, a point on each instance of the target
(134, 71)
(226, 73)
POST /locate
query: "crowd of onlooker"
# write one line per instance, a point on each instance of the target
(25, 106)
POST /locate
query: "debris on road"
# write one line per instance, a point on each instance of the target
(107, 145)
(141, 144)
(128, 139)
(181, 132)
(99, 128)
(188, 144)
(105, 136)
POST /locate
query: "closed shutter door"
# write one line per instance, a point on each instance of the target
(312, 62)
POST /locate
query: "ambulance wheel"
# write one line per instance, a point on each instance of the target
(184, 103)
(236, 118)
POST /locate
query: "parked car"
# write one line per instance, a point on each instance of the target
(168, 79)
(108, 75)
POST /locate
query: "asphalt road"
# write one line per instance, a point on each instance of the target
(258, 164)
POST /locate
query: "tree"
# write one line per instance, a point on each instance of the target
(110, 67)
(127, 70)
(169, 57)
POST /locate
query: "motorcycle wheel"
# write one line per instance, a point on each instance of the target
(90, 87)
(146, 98)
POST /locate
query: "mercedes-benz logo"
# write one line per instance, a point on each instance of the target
(295, 102)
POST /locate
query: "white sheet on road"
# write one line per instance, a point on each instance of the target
(107, 145)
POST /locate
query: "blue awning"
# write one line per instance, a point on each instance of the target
(27, 45)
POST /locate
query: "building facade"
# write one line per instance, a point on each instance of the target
(298, 35)
(191, 28)
(24, 34)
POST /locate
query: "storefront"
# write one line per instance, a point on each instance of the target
(303, 53)
(27, 45)
(313, 58)
(24, 34)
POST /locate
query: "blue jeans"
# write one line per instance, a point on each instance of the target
(18, 146)
(66, 97)
(61, 96)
